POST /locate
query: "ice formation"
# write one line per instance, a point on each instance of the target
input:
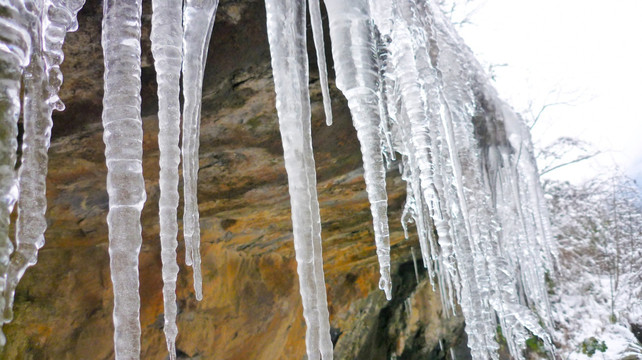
(286, 33)
(417, 99)
(123, 136)
(167, 38)
(47, 23)
(15, 50)
(198, 21)
(317, 31)
(414, 89)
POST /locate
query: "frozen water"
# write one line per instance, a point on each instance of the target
(42, 80)
(167, 38)
(15, 53)
(317, 32)
(123, 138)
(286, 33)
(198, 21)
(414, 91)
(353, 46)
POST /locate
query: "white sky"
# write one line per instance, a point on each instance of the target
(587, 53)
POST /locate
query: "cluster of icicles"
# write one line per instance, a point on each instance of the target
(418, 100)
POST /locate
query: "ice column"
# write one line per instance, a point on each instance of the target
(15, 49)
(353, 50)
(167, 36)
(42, 81)
(198, 21)
(123, 136)
(286, 33)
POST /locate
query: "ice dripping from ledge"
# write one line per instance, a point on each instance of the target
(416, 92)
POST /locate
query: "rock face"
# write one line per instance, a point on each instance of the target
(251, 307)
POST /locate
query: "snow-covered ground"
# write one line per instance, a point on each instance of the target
(582, 312)
(597, 293)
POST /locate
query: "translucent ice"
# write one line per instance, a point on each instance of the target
(198, 21)
(15, 52)
(123, 137)
(42, 80)
(167, 37)
(286, 34)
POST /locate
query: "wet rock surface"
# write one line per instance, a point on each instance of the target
(251, 307)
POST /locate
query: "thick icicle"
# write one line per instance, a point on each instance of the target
(42, 81)
(198, 21)
(317, 32)
(123, 136)
(15, 49)
(286, 34)
(167, 36)
(353, 49)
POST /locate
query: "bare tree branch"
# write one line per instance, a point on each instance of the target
(581, 158)
(541, 110)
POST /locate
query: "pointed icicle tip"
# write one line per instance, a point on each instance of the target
(385, 284)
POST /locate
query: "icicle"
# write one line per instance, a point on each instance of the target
(286, 33)
(167, 36)
(198, 21)
(15, 51)
(414, 263)
(42, 81)
(427, 84)
(384, 102)
(416, 133)
(317, 32)
(123, 138)
(353, 49)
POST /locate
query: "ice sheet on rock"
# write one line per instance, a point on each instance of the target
(15, 52)
(354, 52)
(42, 80)
(286, 33)
(123, 137)
(198, 21)
(167, 37)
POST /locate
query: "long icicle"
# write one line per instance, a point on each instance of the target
(317, 34)
(353, 47)
(198, 21)
(15, 49)
(166, 37)
(325, 341)
(42, 80)
(123, 137)
(286, 33)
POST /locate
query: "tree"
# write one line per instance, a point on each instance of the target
(598, 228)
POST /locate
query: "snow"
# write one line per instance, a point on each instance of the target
(581, 314)
(596, 293)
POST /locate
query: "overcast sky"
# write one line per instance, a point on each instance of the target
(584, 53)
